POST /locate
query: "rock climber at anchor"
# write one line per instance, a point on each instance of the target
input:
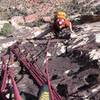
(61, 22)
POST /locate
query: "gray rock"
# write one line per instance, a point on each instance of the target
(97, 38)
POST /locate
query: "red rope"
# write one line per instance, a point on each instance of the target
(47, 72)
(4, 73)
(37, 74)
(8, 73)
(31, 68)
(15, 89)
(11, 75)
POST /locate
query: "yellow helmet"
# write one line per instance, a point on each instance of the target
(60, 14)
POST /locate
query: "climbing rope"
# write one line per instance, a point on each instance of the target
(8, 74)
(36, 73)
(47, 73)
(40, 77)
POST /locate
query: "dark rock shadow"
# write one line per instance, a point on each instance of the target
(27, 96)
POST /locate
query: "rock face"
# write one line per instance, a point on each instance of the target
(74, 65)
(31, 18)
(71, 63)
(17, 21)
(97, 38)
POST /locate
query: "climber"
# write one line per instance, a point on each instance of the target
(61, 22)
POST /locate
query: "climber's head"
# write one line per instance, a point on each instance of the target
(60, 14)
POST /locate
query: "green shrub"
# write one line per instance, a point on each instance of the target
(7, 29)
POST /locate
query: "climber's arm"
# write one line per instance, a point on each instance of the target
(69, 24)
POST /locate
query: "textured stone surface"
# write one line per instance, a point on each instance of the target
(74, 66)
